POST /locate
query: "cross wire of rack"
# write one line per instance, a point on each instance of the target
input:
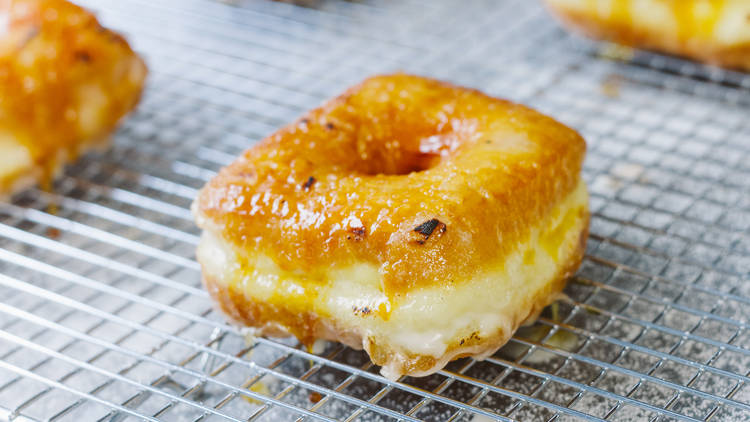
(103, 316)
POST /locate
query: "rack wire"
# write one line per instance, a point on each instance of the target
(103, 317)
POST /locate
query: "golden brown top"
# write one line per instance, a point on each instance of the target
(64, 79)
(424, 179)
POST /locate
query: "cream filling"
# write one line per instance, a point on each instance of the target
(15, 157)
(18, 170)
(425, 321)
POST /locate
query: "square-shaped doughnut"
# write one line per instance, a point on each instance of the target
(712, 31)
(414, 219)
(65, 83)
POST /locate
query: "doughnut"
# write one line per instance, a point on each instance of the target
(417, 220)
(65, 82)
(712, 31)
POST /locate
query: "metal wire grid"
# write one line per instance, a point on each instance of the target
(103, 317)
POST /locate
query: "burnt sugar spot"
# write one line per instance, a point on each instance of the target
(426, 229)
(308, 183)
(83, 56)
(356, 233)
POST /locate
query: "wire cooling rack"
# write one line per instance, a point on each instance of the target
(102, 314)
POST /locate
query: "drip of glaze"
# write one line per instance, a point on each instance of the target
(45, 184)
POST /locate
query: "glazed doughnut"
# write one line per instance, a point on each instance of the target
(712, 31)
(409, 217)
(65, 82)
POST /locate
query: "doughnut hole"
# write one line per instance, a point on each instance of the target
(401, 158)
(381, 130)
(362, 145)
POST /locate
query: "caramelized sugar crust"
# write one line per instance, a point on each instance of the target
(423, 179)
(712, 31)
(65, 81)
